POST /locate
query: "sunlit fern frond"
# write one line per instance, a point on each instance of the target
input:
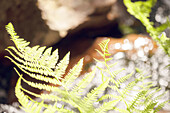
(124, 78)
(79, 88)
(20, 43)
(106, 106)
(36, 60)
(104, 47)
(109, 96)
(143, 95)
(42, 64)
(104, 50)
(73, 74)
(27, 105)
(30, 106)
(87, 102)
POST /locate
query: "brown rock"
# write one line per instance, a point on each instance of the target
(130, 44)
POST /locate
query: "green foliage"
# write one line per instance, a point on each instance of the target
(141, 10)
(42, 64)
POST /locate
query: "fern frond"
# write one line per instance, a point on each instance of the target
(53, 109)
(149, 107)
(36, 59)
(61, 67)
(42, 78)
(27, 105)
(137, 98)
(36, 76)
(112, 65)
(150, 94)
(91, 97)
(114, 73)
(73, 74)
(65, 97)
(30, 105)
(53, 59)
(121, 110)
(105, 51)
(104, 47)
(106, 106)
(160, 106)
(78, 89)
(41, 64)
(20, 43)
(30, 66)
(41, 86)
(130, 86)
(109, 96)
(124, 78)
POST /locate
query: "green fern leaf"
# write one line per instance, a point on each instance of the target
(78, 89)
(106, 106)
(91, 97)
(124, 78)
(61, 67)
(103, 45)
(27, 105)
(121, 110)
(41, 64)
(73, 74)
(109, 96)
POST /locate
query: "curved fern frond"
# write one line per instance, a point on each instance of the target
(53, 109)
(160, 106)
(121, 110)
(61, 67)
(144, 97)
(124, 78)
(78, 89)
(109, 96)
(104, 47)
(87, 102)
(105, 51)
(36, 59)
(106, 106)
(42, 64)
(20, 43)
(135, 103)
(73, 74)
(27, 105)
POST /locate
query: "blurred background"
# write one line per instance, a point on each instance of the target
(75, 25)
